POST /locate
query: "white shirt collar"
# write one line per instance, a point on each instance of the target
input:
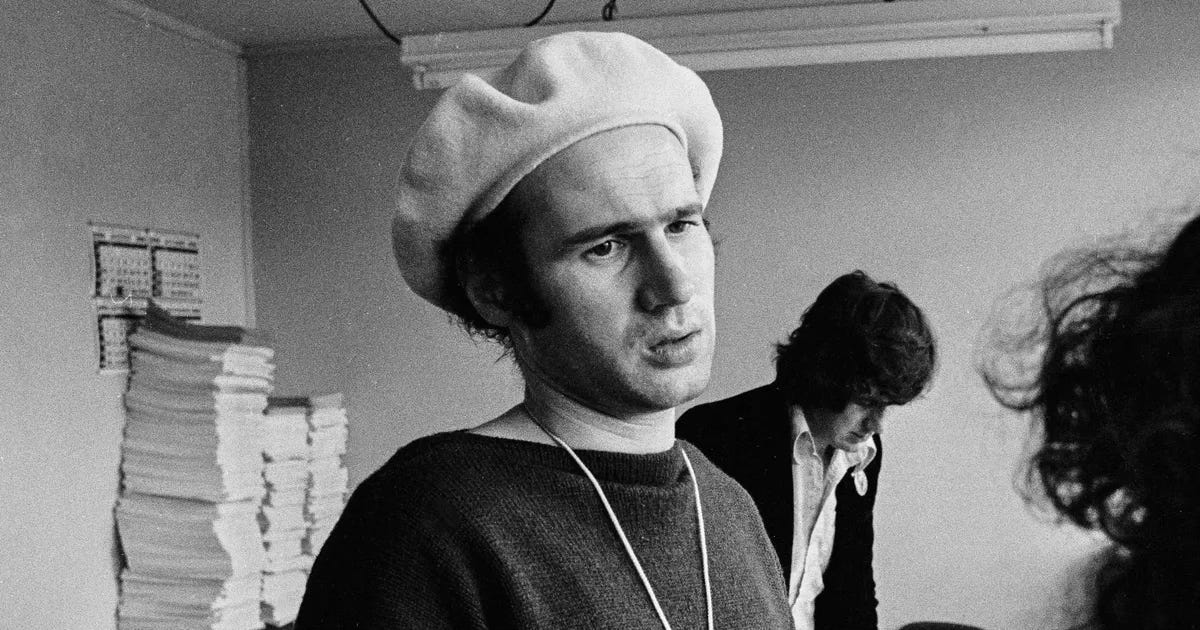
(802, 438)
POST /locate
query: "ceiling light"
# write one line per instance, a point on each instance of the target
(794, 36)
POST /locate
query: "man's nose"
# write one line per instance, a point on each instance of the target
(666, 278)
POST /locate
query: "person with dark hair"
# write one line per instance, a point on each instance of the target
(1109, 370)
(558, 208)
(861, 347)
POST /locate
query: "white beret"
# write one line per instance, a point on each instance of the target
(482, 137)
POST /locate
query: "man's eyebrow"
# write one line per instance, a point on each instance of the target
(587, 235)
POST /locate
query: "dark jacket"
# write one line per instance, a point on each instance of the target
(749, 437)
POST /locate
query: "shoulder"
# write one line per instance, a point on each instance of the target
(715, 483)
(729, 413)
(432, 482)
(412, 525)
(441, 458)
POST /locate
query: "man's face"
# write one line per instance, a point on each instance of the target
(848, 428)
(620, 256)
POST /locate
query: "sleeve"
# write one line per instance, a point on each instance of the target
(382, 568)
(848, 599)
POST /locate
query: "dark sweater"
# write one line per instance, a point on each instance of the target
(464, 531)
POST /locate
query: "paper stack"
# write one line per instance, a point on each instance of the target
(192, 465)
(285, 473)
(327, 475)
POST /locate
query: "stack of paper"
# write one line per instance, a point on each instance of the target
(285, 473)
(327, 475)
(192, 465)
(281, 595)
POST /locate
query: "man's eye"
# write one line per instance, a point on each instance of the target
(678, 227)
(603, 250)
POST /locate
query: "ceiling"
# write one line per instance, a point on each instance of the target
(297, 22)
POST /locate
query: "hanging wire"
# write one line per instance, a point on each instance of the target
(378, 24)
(609, 12)
(541, 15)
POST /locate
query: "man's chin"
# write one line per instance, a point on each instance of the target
(672, 394)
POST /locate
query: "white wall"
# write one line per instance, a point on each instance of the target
(953, 177)
(327, 134)
(101, 119)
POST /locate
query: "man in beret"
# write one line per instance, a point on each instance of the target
(558, 209)
(862, 346)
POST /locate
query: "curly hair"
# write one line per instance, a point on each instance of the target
(492, 248)
(1114, 388)
(860, 341)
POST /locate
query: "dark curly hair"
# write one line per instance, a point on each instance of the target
(861, 341)
(492, 248)
(1110, 371)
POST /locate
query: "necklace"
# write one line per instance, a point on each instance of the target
(612, 516)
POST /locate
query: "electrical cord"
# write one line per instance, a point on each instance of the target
(379, 24)
(609, 12)
(537, 19)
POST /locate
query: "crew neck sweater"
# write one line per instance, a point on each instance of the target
(465, 531)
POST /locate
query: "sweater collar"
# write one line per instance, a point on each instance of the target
(664, 468)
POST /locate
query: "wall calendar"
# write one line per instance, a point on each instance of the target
(131, 266)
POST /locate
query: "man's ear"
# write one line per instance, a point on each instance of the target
(488, 296)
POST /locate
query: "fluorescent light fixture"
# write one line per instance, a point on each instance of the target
(794, 36)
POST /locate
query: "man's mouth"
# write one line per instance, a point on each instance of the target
(675, 337)
(676, 349)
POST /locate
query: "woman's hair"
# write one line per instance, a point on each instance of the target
(1110, 370)
(861, 341)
